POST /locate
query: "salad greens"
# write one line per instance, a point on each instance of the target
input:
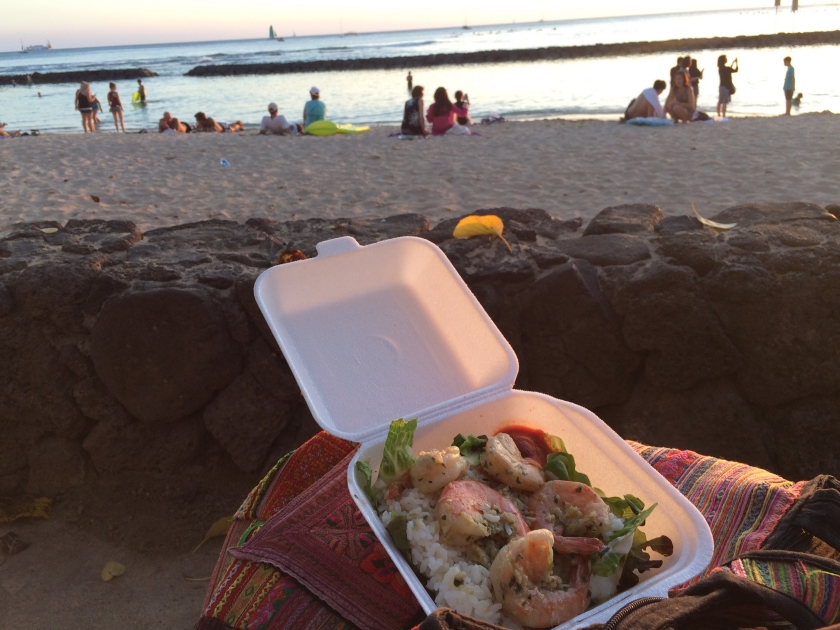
(396, 459)
(562, 466)
(471, 447)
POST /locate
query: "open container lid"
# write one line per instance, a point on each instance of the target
(380, 332)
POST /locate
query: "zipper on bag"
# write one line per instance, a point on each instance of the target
(632, 607)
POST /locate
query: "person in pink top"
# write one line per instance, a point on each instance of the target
(442, 113)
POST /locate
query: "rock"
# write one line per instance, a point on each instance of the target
(55, 465)
(833, 209)
(712, 419)
(682, 223)
(749, 214)
(625, 219)
(271, 371)
(12, 456)
(97, 403)
(803, 431)
(573, 341)
(604, 250)
(163, 353)
(7, 302)
(245, 419)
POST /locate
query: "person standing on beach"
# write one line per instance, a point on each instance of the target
(141, 89)
(727, 88)
(115, 105)
(677, 68)
(410, 80)
(84, 105)
(695, 74)
(790, 85)
(314, 110)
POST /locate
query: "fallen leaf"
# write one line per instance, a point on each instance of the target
(219, 528)
(290, 255)
(112, 570)
(48, 230)
(11, 510)
(712, 224)
(95, 198)
(480, 226)
(195, 579)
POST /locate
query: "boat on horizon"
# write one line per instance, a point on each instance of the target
(35, 47)
(273, 35)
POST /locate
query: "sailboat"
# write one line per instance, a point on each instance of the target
(273, 35)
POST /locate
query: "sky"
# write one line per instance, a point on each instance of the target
(66, 24)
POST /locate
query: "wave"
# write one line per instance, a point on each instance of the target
(335, 48)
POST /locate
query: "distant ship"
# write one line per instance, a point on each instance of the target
(273, 35)
(35, 48)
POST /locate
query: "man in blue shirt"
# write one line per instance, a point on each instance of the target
(790, 86)
(314, 110)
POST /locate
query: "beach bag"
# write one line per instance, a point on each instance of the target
(731, 89)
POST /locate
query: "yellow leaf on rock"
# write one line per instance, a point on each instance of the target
(219, 528)
(11, 509)
(712, 224)
(489, 225)
(112, 570)
(48, 230)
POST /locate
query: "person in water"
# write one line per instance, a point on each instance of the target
(168, 123)
(141, 89)
(797, 100)
(727, 88)
(314, 110)
(84, 105)
(410, 80)
(413, 123)
(203, 123)
(681, 103)
(276, 124)
(463, 101)
(442, 113)
(646, 104)
(96, 106)
(789, 86)
(115, 105)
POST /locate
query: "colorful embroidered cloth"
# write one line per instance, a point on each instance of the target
(322, 539)
(741, 504)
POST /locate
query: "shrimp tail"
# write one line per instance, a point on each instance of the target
(578, 545)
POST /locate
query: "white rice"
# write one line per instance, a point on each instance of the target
(455, 581)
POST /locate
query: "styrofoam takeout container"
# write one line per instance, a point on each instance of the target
(391, 331)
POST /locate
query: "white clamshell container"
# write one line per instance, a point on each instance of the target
(390, 330)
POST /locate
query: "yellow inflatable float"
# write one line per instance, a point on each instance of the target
(329, 128)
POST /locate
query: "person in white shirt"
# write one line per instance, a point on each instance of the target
(646, 104)
(276, 124)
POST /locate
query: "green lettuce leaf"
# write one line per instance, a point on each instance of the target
(397, 457)
(624, 507)
(397, 528)
(607, 561)
(363, 470)
(471, 447)
(562, 466)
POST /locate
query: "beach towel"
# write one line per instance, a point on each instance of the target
(650, 122)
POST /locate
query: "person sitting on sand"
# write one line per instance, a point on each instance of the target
(168, 123)
(115, 105)
(646, 104)
(442, 113)
(314, 110)
(727, 88)
(203, 123)
(463, 101)
(681, 103)
(8, 134)
(276, 124)
(84, 105)
(413, 123)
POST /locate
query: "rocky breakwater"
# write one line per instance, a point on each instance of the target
(128, 351)
(525, 54)
(75, 76)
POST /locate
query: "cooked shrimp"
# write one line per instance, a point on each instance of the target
(503, 461)
(434, 469)
(469, 510)
(578, 518)
(523, 583)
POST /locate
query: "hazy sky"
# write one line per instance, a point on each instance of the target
(69, 24)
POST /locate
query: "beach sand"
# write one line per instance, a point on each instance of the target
(566, 168)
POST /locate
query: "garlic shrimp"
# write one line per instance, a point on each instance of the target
(503, 461)
(577, 517)
(468, 511)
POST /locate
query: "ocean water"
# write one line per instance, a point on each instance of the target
(597, 88)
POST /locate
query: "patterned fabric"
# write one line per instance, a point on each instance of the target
(322, 539)
(253, 596)
(741, 504)
(815, 587)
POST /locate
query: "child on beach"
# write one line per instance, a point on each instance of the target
(96, 108)
(463, 101)
(115, 105)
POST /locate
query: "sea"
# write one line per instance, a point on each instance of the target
(572, 89)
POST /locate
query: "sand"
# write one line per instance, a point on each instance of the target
(566, 168)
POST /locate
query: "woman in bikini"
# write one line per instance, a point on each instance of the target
(115, 105)
(84, 104)
(203, 123)
(681, 103)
